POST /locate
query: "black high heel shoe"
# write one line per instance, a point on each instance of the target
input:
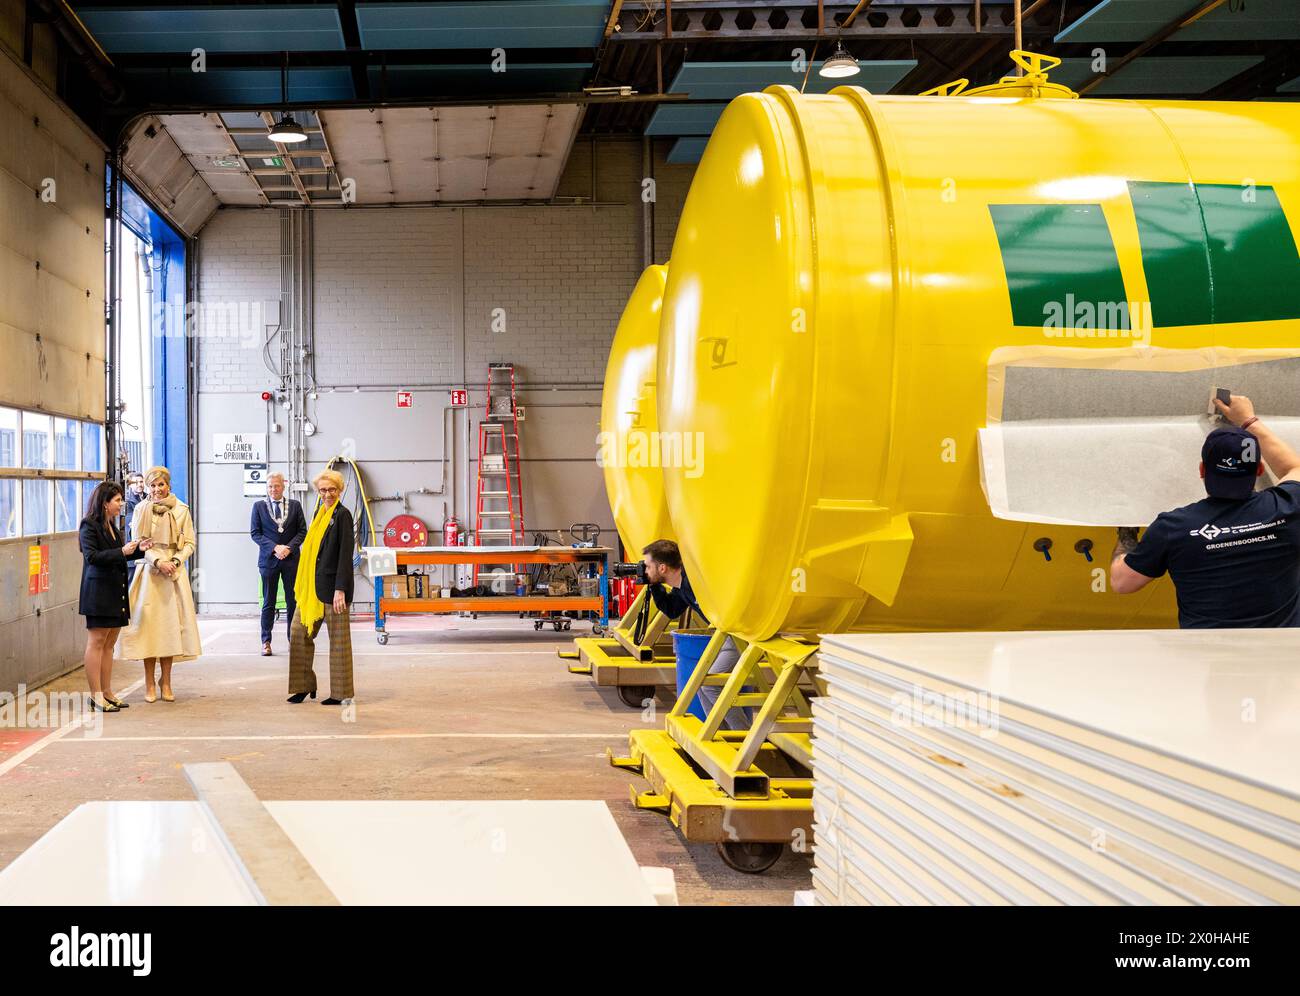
(106, 707)
(297, 697)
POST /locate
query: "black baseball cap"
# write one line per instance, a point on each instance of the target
(1231, 458)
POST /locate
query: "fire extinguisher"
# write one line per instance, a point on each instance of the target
(450, 531)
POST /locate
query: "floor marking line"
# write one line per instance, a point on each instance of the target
(619, 734)
(55, 736)
(410, 653)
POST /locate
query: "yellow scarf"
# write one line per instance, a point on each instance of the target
(310, 608)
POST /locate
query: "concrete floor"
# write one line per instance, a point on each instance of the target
(449, 709)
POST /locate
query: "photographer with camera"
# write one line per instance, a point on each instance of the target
(662, 567)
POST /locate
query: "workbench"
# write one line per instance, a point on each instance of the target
(516, 555)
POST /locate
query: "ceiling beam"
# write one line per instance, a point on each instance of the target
(1177, 24)
(352, 39)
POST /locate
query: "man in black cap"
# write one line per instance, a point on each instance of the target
(1235, 556)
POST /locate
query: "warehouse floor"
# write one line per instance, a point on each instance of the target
(449, 709)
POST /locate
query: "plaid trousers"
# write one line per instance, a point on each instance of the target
(302, 653)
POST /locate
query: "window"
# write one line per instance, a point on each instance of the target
(36, 507)
(8, 437)
(54, 445)
(37, 443)
(67, 506)
(8, 508)
(66, 440)
(92, 446)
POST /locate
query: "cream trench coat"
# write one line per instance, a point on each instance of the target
(163, 622)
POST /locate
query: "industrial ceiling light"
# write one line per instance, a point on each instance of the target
(286, 130)
(840, 64)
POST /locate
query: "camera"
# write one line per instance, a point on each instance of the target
(636, 570)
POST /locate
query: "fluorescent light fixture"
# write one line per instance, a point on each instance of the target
(840, 64)
(287, 131)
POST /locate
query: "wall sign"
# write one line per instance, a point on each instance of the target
(38, 569)
(255, 475)
(459, 399)
(239, 447)
(405, 399)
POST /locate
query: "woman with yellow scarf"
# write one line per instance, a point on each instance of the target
(163, 626)
(324, 592)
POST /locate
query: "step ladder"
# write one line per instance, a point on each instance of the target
(500, 506)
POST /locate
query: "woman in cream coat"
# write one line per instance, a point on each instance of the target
(163, 626)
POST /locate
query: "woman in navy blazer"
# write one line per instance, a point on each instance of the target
(103, 589)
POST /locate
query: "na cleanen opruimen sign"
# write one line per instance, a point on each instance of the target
(239, 447)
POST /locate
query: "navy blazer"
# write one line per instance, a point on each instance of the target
(334, 568)
(267, 537)
(103, 573)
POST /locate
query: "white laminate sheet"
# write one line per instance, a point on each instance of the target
(368, 853)
(1222, 700)
(416, 852)
(127, 854)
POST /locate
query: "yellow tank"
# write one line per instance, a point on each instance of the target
(629, 425)
(844, 270)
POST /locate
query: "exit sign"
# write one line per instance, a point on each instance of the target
(404, 399)
(459, 399)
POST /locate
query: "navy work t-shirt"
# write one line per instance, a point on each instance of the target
(1234, 563)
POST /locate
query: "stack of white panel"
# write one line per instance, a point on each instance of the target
(1119, 767)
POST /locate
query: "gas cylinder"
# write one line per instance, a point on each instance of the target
(848, 271)
(450, 531)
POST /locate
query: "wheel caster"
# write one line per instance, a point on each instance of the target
(473, 615)
(598, 630)
(537, 624)
(555, 625)
(382, 638)
(753, 857)
(634, 696)
(568, 623)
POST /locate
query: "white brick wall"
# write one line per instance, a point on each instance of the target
(388, 286)
(562, 277)
(239, 265)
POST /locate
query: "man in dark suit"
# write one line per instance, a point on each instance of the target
(278, 528)
(134, 495)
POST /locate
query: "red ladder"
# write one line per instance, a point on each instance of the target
(500, 478)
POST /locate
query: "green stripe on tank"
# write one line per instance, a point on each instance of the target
(1060, 264)
(1216, 253)
(1252, 254)
(1173, 252)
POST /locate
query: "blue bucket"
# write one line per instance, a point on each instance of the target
(689, 647)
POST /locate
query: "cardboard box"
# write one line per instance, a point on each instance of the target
(396, 586)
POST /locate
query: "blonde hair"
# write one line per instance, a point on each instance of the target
(271, 477)
(162, 472)
(333, 476)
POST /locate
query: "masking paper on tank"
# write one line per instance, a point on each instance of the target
(1059, 382)
(1095, 472)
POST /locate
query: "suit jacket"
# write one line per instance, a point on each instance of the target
(334, 559)
(267, 537)
(103, 571)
